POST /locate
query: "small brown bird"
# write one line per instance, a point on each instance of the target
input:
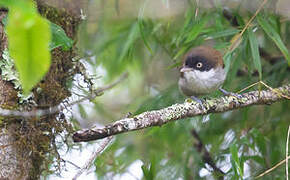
(202, 72)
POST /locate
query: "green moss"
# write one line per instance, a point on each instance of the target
(37, 135)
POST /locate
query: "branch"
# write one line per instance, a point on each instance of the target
(272, 168)
(58, 108)
(180, 111)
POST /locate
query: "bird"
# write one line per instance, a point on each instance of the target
(202, 72)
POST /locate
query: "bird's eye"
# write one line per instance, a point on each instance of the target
(199, 65)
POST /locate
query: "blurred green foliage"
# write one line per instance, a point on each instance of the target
(59, 38)
(242, 143)
(29, 37)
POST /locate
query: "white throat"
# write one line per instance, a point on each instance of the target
(196, 82)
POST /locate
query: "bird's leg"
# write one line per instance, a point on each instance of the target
(199, 101)
(227, 93)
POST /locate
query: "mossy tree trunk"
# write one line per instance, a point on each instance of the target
(26, 143)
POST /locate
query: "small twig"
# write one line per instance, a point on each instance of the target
(110, 86)
(237, 38)
(94, 155)
(254, 84)
(263, 52)
(67, 161)
(55, 109)
(80, 68)
(274, 90)
(206, 157)
(197, 8)
(271, 169)
(180, 111)
(5, 146)
(287, 146)
(267, 86)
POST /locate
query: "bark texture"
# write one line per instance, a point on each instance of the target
(25, 143)
(180, 111)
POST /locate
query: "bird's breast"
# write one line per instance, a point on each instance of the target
(195, 82)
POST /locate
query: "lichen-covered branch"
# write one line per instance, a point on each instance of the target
(180, 111)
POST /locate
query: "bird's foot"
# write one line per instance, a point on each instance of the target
(227, 93)
(199, 101)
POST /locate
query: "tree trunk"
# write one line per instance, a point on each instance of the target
(27, 144)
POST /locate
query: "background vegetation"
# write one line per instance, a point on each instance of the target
(148, 39)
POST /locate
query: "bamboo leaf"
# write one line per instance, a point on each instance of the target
(133, 33)
(270, 31)
(223, 33)
(235, 158)
(141, 27)
(197, 29)
(255, 51)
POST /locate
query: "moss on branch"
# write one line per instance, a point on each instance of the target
(180, 111)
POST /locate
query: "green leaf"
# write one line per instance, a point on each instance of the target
(59, 38)
(223, 33)
(247, 55)
(24, 5)
(255, 51)
(29, 37)
(175, 65)
(149, 172)
(141, 29)
(235, 158)
(240, 19)
(256, 158)
(181, 52)
(141, 23)
(270, 31)
(133, 34)
(235, 65)
(260, 141)
(227, 60)
(197, 29)
(145, 172)
(186, 26)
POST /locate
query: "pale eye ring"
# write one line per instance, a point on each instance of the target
(199, 65)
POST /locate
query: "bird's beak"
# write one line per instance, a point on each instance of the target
(185, 69)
